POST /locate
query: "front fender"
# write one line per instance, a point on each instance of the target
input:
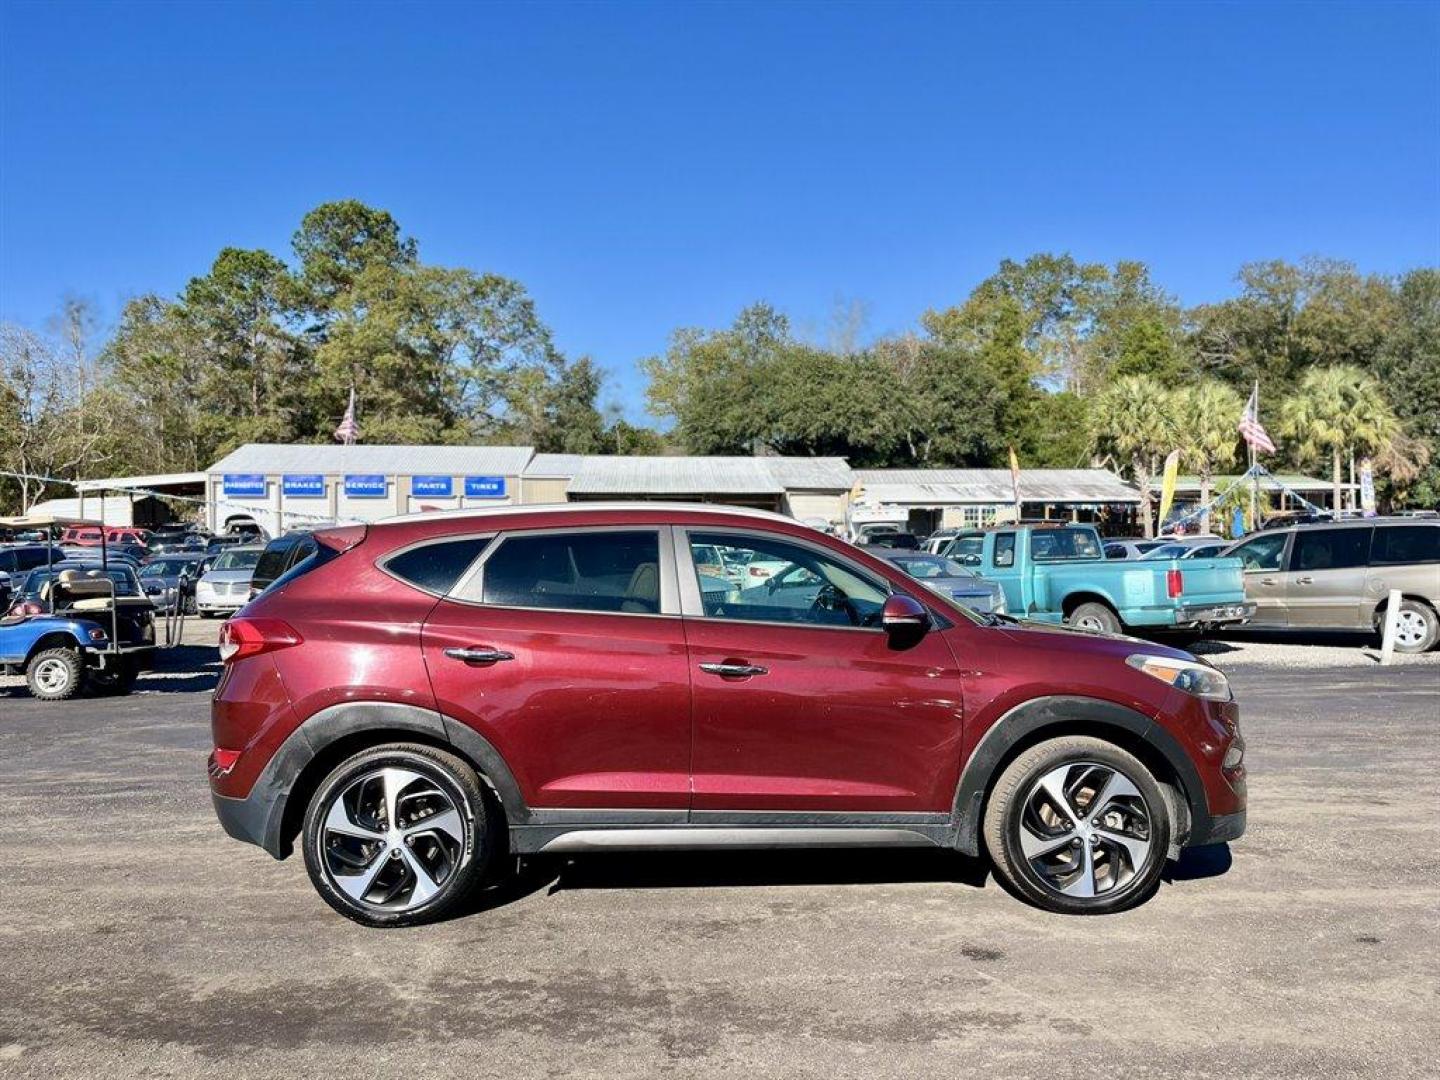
(1028, 721)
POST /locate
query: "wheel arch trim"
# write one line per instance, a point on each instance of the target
(263, 816)
(1027, 723)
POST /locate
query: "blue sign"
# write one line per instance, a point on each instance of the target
(303, 485)
(366, 486)
(485, 487)
(441, 486)
(247, 484)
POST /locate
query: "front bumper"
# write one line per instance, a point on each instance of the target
(1214, 614)
(211, 602)
(1223, 827)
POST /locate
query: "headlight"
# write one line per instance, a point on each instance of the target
(998, 607)
(1199, 679)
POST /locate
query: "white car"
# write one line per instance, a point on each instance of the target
(226, 587)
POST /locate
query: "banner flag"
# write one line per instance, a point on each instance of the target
(1167, 485)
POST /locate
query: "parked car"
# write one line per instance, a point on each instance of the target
(949, 578)
(78, 626)
(19, 558)
(430, 696)
(1212, 550)
(1130, 549)
(937, 541)
(216, 544)
(226, 585)
(91, 535)
(896, 541)
(1177, 547)
(279, 556)
(1339, 577)
(866, 532)
(1056, 573)
(170, 580)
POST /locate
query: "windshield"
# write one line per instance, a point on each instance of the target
(237, 560)
(1064, 544)
(936, 566)
(125, 582)
(167, 567)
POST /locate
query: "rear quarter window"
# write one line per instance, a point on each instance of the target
(1398, 544)
(436, 566)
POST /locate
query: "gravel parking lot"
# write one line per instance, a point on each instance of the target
(140, 941)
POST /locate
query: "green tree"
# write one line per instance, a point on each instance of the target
(1408, 367)
(1129, 420)
(1203, 418)
(337, 242)
(1337, 411)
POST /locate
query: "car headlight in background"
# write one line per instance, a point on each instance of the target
(1199, 679)
(999, 607)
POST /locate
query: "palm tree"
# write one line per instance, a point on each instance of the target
(1337, 410)
(1204, 418)
(1129, 420)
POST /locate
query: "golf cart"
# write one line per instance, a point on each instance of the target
(76, 625)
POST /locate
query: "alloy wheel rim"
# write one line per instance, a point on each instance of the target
(52, 675)
(1085, 830)
(1411, 628)
(392, 839)
(1089, 622)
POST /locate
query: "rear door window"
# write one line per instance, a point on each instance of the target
(1330, 549)
(1398, 544)
(608, 570)
(434, 567)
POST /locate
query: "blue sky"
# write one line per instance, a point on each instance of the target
(642, 167)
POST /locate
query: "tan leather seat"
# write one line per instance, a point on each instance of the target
(643, 592)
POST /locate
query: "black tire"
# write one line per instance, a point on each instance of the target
(1013, 799)
(55, 674)
(1422, 617)
(1095, 616)
(464, 867)
(115, 679)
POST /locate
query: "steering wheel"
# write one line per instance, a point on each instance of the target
(830, 598)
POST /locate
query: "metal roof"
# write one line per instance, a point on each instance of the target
(157, 480)
(674, 476)
(992, 486)
(553, 465)
(333, 459)
(1294, 481)
(811, 473)
(598, 506)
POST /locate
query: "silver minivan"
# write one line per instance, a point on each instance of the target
(1338, 576)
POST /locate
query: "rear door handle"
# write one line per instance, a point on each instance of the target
(743, 671)
(1305, 581)
(1267, 581)
(479, 655)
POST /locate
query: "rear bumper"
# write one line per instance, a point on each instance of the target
(254, 819)
(1213, 614)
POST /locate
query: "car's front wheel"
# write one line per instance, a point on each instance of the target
(1078, 825)
(398, 835)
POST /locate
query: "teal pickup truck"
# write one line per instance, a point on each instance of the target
(1059, 573)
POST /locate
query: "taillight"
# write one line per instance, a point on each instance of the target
(222, 761)
(1174, 583)
(29, 607)
(755, 571)
(240, 638)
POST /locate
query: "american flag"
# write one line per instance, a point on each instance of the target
(348, 431)
(1251, 430)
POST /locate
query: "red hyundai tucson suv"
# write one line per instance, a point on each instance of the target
(425, 698)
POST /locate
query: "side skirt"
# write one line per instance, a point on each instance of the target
(632, 830)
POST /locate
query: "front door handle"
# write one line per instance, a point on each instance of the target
(1305, 581)
(479, 655)
(1267, 581)
(734, 671)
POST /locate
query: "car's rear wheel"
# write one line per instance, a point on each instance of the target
(1417, 627)
(398, 835)
(55, 674)
(1094, 616)
(116, 678)
(1079, 826)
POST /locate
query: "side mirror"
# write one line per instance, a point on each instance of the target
(904, 617)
